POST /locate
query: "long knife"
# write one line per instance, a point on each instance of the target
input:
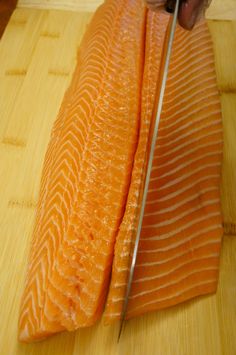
(150, 161)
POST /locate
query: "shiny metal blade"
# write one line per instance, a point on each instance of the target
(150, 161)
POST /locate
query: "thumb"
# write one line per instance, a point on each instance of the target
(190, 12)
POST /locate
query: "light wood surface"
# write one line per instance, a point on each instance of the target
(37, 57)
(71, 5)
(219, 9)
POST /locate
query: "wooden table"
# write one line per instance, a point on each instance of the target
(37, 57)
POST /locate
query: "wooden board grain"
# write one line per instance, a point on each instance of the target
(224, 41)
(223, 10)
(71, 5)
(37, 57)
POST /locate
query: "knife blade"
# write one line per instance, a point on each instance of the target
(150, 161)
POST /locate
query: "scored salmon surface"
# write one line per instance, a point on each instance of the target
(86, 177)
(94, 171)
(178, 255)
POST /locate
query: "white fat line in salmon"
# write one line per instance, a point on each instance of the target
(190, 162)
(164, 236)
(187, 78)
(48, 233)
(96, 267)
(189, 65)
(110, 125)
(191, 150)
(48, 173)
(198, 31)
(188, 239)
(184, 112)
(77, 302)
(183, 63)
(185, 88)
(50, 255)
(61, 150)
(36, 253)
(56, 303)
(30, 298)
(183, 177)
(79, 252)
(61, 216)
(143, 264)
(176, 97)
(84, 290)
(192, 44)
(168, 284)
(73, 279)
(39, 291)
(185, 85)
(182, 202)
(53, 217)
(173, 152)
(60, 163)
(178, 70)
(178, 255)
(177, 294)
(188, 133)
(110, 153)
(25, 332)
(173, 233)
(63, 275)
(174, 246)
(186, 96)
(190, 211)
(184, 189)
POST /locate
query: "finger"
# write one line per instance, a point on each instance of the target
(190, 11)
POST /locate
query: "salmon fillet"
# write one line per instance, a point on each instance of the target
(94, 171)
(86, 177)
(178, 256)
(155, 36)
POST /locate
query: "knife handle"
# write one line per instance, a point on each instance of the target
(170, 5)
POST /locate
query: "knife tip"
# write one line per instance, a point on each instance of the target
(120, 331)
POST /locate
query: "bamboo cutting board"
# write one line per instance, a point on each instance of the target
(37, 57)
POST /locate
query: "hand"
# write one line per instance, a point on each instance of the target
(189, 13)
